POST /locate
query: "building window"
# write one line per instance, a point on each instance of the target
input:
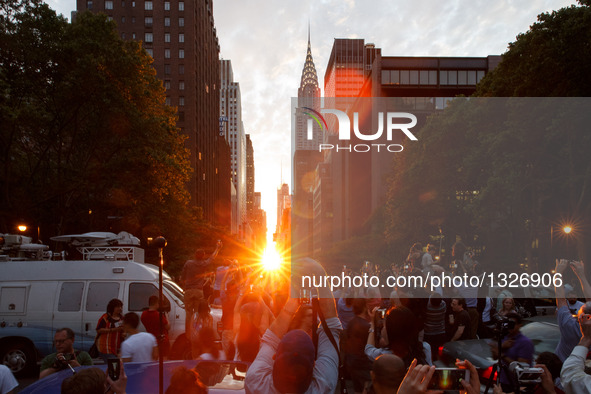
(181, 69)
(462, 77)
(133, 4)
(89, 5)
(148, 21)
(181, 101)
(167, 69)
(133, 36)
(108, 5)
(150, 51)
(123, 36)
(404, 77)
(181, 22)
(167, 85)
(181, 37)
(148, 5)
(181, 53)
(166, 21)
(148, 37)
(181, 5)
(166, 37)
(167, 6)
(181, 116)
(452, 77)
(181, 85)
(167, 101)
(109, 18)
(471, 77)
(123, 4)
(167, 53)
(479, 75)
(132, 20)
(122, 19)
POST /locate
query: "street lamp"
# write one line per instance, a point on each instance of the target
(22, 228)
(567, 229)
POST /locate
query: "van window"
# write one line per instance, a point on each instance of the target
(139, 293)
(70, 297)
(99, 295)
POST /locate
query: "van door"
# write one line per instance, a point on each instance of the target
(68, 309)
(98, 296)
(139, 294)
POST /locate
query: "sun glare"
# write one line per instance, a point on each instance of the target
(271, 260)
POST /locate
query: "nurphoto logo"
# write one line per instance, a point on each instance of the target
(392, 125)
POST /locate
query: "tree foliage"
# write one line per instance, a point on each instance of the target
(87, 142)
(551, 59)
(501, 173)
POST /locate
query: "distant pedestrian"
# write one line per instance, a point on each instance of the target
(138, 346)
(110, 329)
(151, 320)
(196, 274)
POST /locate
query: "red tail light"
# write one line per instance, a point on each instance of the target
(440, 352)
(486, 374)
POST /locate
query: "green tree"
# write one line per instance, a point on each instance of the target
(551, 59)
(86, 133)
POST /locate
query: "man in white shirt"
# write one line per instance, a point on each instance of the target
(139, 346)
(7, 380)
(573, 376)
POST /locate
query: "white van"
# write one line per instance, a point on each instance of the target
(41, 292)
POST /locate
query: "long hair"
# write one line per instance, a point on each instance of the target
(402, 327)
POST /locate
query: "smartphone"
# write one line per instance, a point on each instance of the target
(114, 368)
(449, 379)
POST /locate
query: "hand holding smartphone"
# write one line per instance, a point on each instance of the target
(114, 368)
(449, 379)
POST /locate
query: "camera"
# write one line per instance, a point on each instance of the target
(503, 325)
(62, 361)
(525, 375)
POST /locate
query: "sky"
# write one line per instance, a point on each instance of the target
(266, 40)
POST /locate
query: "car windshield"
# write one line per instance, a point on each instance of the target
(175, 290)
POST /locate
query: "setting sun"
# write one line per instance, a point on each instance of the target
(271, 260)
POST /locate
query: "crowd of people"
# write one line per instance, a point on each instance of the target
(355, 339)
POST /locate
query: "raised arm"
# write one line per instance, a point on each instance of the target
(560, 296)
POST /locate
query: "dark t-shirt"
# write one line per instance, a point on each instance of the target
(461, 319)
(195, 273)
(357, 332)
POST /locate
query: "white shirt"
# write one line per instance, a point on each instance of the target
(427, 261)
(139, 347)
(7, 380)
(573, 376)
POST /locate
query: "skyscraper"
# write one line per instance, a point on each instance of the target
(231, 108)
(305, 157)
(181, 37)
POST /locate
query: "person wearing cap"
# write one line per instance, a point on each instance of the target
(285, 362)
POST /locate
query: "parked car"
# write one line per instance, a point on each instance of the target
(221, 377)
(542, 330)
